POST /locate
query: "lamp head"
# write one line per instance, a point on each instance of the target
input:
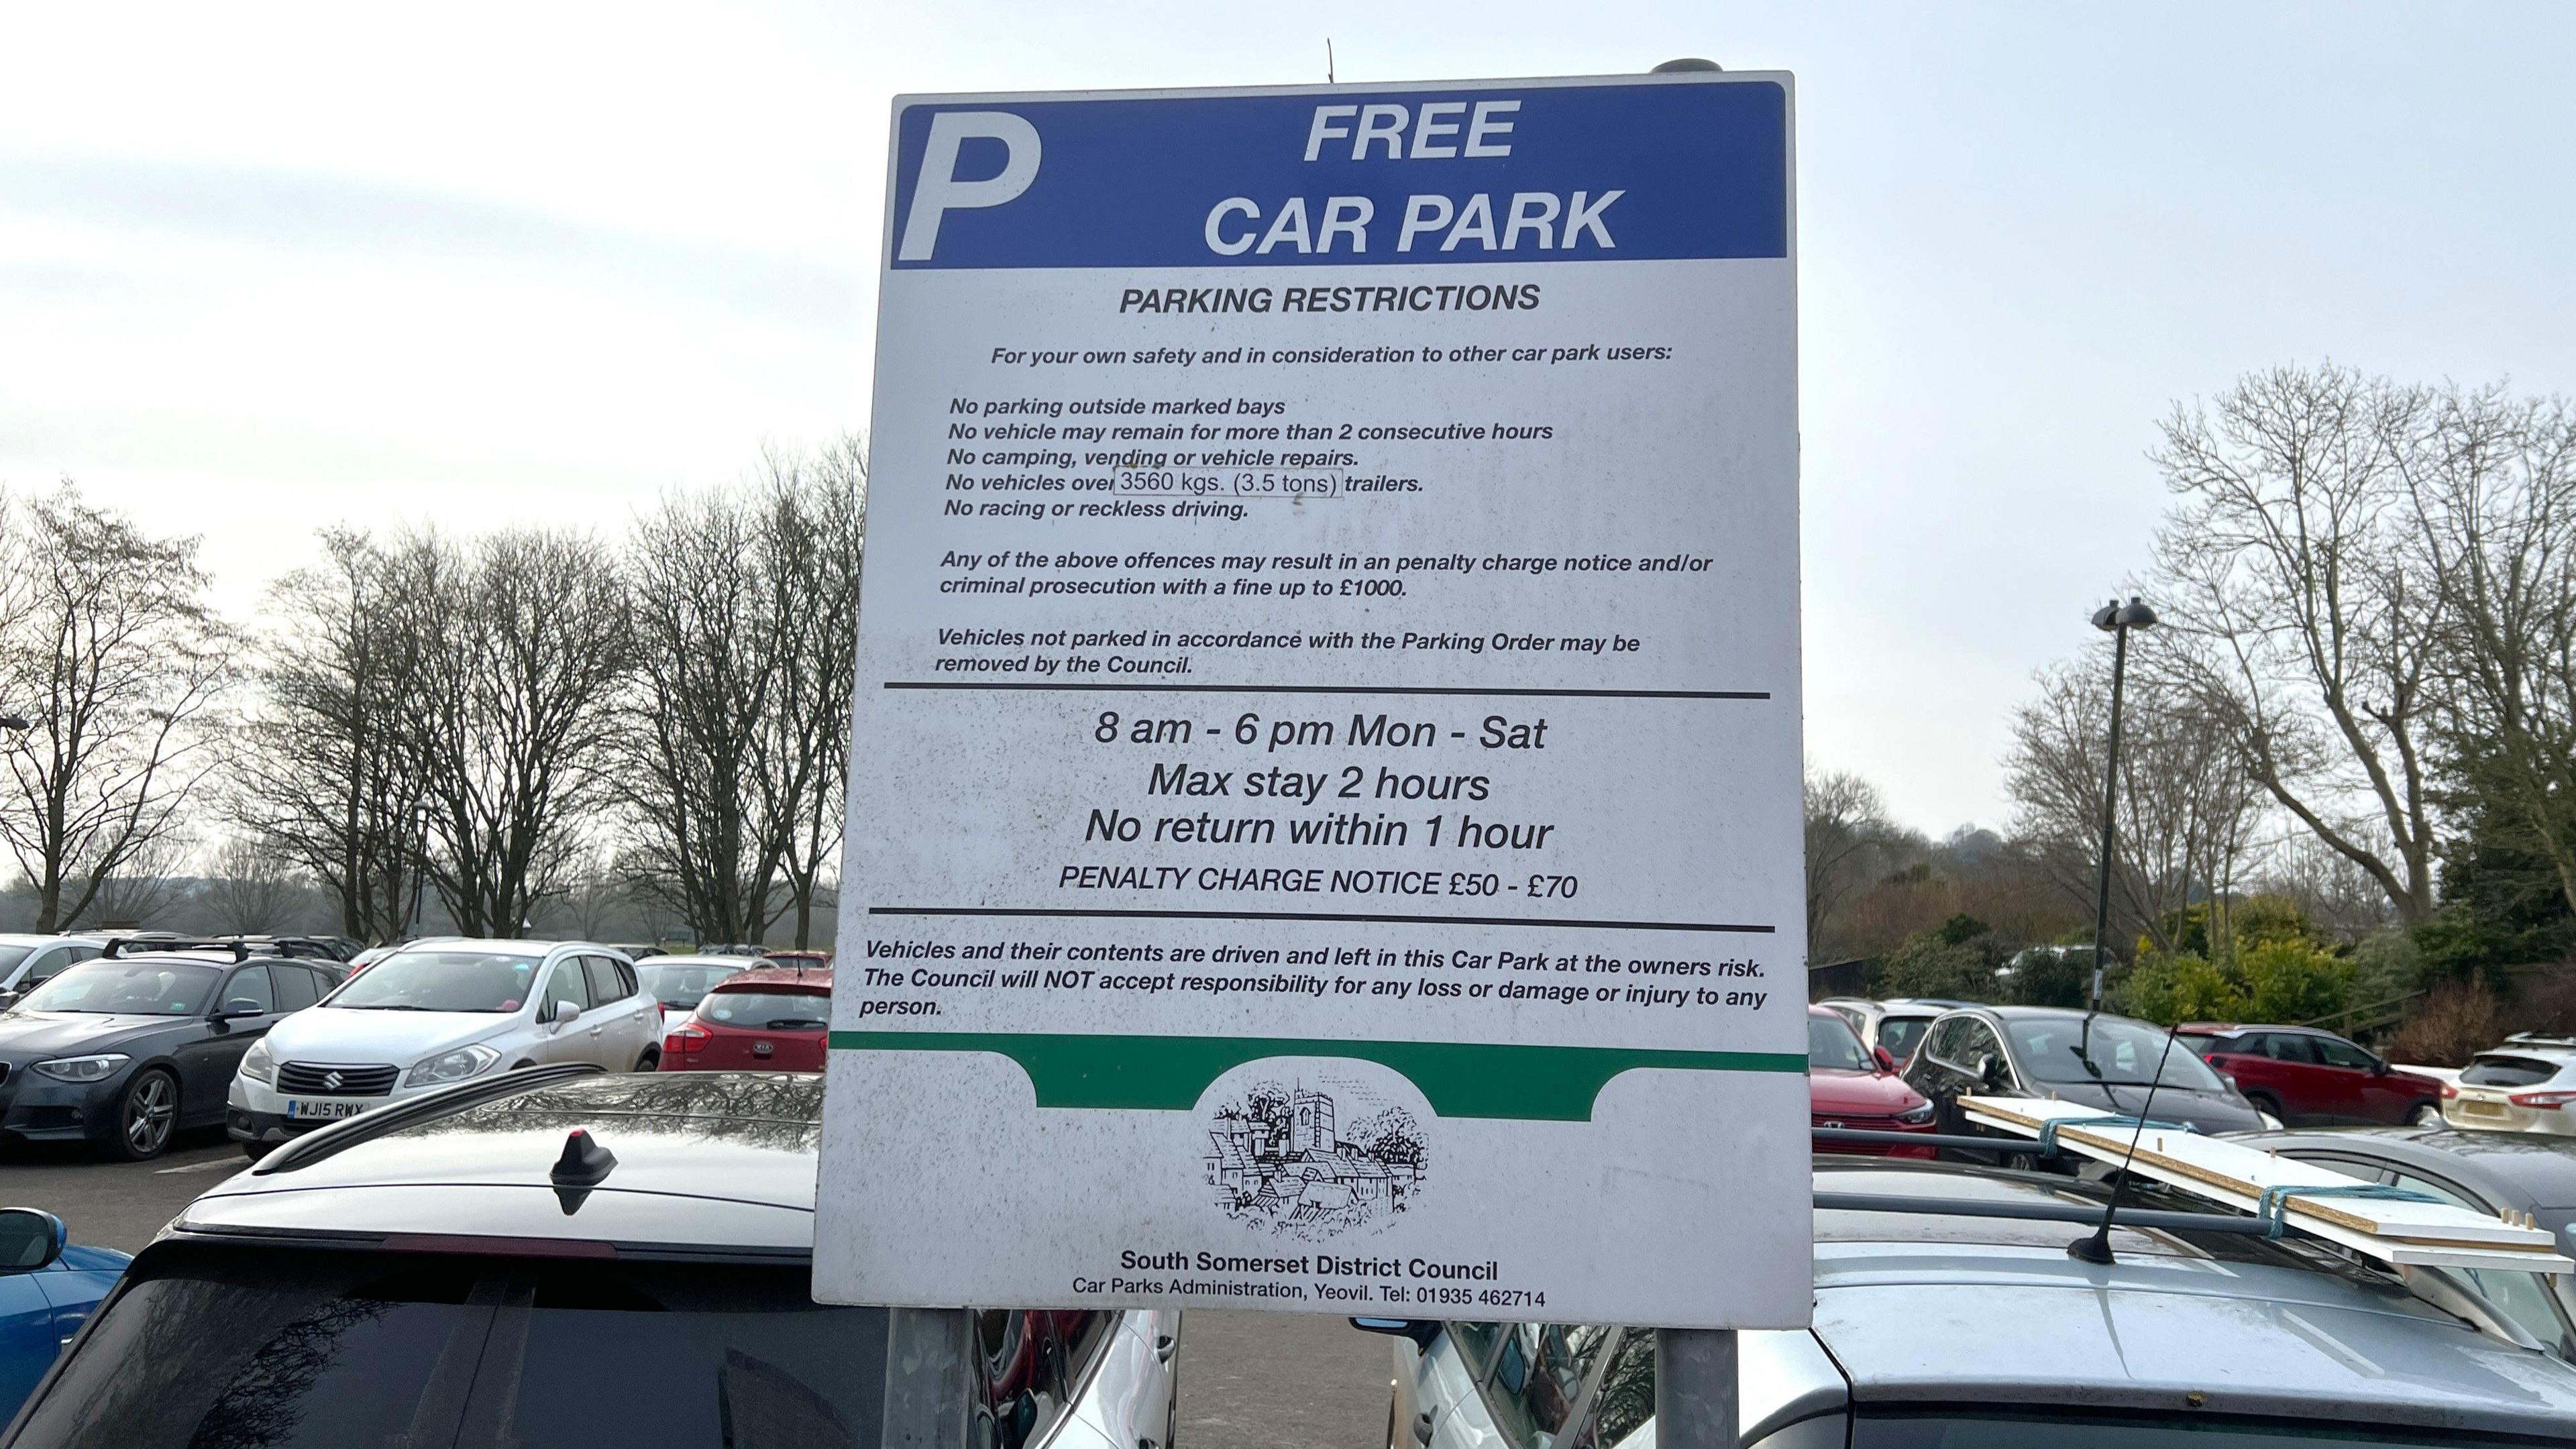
(2115, 616)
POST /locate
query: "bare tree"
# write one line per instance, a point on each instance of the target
(2186, 801)
(815, 538)
(1847, 830)
(325, 780)
(524, 647)
(698, 769)
(249, 891)
(146, 890)
(2492, 485)
(109, 649)
(2285, 556)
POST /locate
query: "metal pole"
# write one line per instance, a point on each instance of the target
(2110, 821)
(1695, 1388)
(927, 1378)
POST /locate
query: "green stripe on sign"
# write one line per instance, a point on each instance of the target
(1458, 1079)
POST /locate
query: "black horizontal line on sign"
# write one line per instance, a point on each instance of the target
(1360, 917)
(1331, 689)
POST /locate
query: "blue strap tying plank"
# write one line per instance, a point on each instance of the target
(2048, 1129)
(2273, 1210)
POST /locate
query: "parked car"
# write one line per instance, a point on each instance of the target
(2306, 1077)
(48, 1286)
(126, 1050)
(1897, 1023)
(2485, 1172)
(1849, 1085)
(27, 962)
(636, 950)
(431, 1015)
(679, 982)
(442, 1272)
(2049, 1051)
(765, 1018)
(809, 960)
(1952, 1328)
(2526, 1085)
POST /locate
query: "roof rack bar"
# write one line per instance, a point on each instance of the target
(2045, 1212)
(314, 1146)
(1871, 1137)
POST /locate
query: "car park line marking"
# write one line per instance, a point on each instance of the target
(1457, 1079)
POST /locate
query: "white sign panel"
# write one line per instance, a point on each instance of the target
(1324, 820)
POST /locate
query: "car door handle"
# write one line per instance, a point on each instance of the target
(1165, 1345)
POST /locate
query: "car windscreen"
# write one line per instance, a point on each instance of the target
(2503, 1071)
(682, 986)
(1832, 1047)
(442, 981)
(1902, 1034)
(301, 1349)
(10, 956)
(767, 1010)
(2117, 1051)
(137, 988)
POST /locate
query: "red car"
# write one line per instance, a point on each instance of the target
(769, 1018)
(2306, 1077)
(1849, 1085)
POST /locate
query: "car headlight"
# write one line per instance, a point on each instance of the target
(258, 1065)
(453, 1066)
(83, 1069)
(1917, 1116)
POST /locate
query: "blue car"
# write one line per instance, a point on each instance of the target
(47, 1288)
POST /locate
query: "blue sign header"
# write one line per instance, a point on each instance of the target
(1347, 177)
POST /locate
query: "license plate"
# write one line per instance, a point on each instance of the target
(299, 1110)
(2476, 1108)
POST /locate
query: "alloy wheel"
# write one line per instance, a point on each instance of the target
(151, 1109)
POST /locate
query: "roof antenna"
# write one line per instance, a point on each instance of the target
(1328, 60)
(2097, 1248)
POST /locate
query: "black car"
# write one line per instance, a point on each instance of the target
(126, 1050)
(2048, 1051)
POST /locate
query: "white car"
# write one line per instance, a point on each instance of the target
(2526, 1085)
(436, 1014)
(681, 982)
(27, 962)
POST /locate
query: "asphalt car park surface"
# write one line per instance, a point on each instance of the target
(1248, 1380)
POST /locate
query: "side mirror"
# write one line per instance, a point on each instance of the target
(1886, 1062)
(566, 1013)
(2378, 1068)
(242, 1006)
(1421, 1330)
(30, 1239)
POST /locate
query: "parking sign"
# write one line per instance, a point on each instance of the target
(1324, 813)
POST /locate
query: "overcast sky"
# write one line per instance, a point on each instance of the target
(267, 268)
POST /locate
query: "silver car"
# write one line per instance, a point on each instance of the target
(2526, 1085)
(1955, 1329)
(552, 1257)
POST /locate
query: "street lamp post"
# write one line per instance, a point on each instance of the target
(2115, 619)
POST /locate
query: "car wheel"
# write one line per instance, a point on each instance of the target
(146, 1116)
(2426, 1114)
(2268, 1105)
(651, 1061)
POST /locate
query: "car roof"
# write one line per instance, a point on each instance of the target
(2268, 1329)
(2540, 1169)
(704, 1160)
(39, 938)
(812, 978)
(738, 963)
(2538, 1050)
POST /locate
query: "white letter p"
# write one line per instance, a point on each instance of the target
(938, 188)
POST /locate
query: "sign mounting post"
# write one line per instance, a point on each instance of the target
(1324, 821)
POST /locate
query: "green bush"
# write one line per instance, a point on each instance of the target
(2276, 981)
(2386, 966)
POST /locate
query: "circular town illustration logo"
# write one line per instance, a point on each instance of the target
(1311, 1163)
